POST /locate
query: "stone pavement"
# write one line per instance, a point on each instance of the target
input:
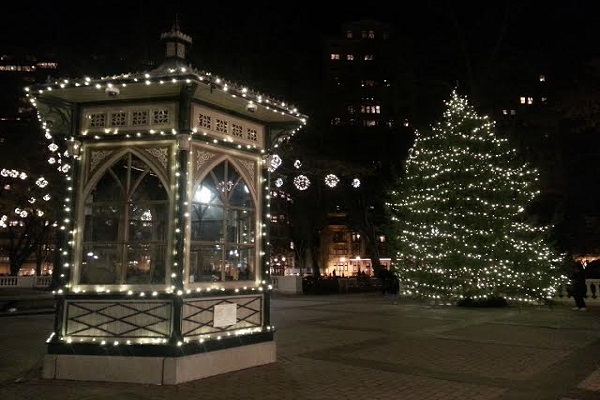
(360, 346)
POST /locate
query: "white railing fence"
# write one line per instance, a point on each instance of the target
(592, 295)
(25, 281)
(291, 286)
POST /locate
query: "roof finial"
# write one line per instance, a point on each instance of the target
(176, 41)
(176, 24)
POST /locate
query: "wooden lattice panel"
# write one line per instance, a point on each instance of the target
(198, 315)
(119, 319)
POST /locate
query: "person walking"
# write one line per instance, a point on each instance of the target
(394, 288)
(578, 286)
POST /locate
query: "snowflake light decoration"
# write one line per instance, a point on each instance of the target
(274, 162)
(41, 182)
(301, 182)
(355, 182)
(279, 182)
(331, 180)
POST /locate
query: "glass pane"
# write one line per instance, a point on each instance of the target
(126, 219)
(207, 223)
(232, 223)
(240, 196)
(149, 187)
(240, 226)
(246, 222)
(145, 264)
(206, 263)
(103, 223)
(100, 264)
(218, 173)
(239, 263)
(247, 267)
(147, 222)
(108, 189)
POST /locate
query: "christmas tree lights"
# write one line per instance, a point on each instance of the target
(459, 216)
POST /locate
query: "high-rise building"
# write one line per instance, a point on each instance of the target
(17, 72)
(365, 113)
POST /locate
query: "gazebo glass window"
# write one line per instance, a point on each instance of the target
(126, 218)
(223, 228)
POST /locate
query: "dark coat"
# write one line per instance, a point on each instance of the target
(394, 284)
(578, 286)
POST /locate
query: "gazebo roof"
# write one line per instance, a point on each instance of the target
(166, 81)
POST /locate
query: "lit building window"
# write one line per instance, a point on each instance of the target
(355, 236)
(368, 109)
(339, 237)
(544, 100)
(542, 78)
(350, 57)
(381, 239)
(348, 34)
(526, 100)
(335, 56)
(370, 123)
(47, 65)
(364, 34)
(351, 109)
(369, 57)
(336, 121)
(371, 35)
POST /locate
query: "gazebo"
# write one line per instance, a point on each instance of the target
(163, 272)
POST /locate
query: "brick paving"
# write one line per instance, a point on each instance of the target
(359, 346)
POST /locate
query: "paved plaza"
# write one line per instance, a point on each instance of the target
(360, 346)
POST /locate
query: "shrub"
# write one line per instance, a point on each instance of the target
(492, 301)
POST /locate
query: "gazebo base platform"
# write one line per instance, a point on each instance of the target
(158, 370)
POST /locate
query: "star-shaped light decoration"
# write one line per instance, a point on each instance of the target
(301, 182)
(355, 183)
(331, 180)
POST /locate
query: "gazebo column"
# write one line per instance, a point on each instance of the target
(181, 201)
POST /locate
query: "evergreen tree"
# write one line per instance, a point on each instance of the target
(459, 216)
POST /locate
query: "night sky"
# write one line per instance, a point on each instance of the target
(250, 41)
(247, 41)
(566, 28)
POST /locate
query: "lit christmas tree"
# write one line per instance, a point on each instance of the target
(459, 216)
